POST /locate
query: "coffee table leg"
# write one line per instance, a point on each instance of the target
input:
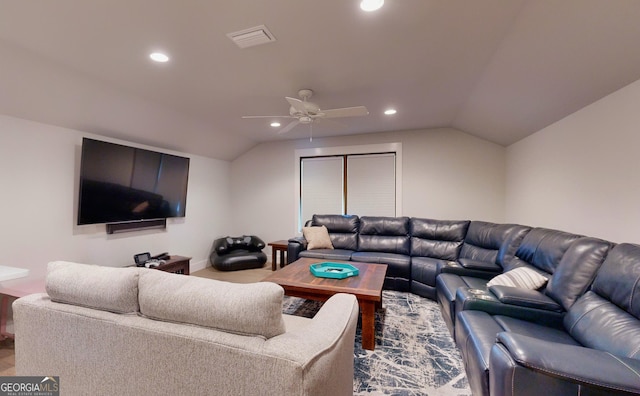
(273, 259)
(368, 310)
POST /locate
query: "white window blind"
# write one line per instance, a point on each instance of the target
(321, 186)
(371, 184)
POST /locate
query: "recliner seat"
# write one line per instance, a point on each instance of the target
(385, 240)
(343, 231)
(486, 250)
(531, 313)
(434, 243)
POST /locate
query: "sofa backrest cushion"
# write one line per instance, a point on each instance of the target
(618, 279)
(440, 239)
(543, 249)
(607, 316)
(104, 288)
(576, 271)
(491, 242)
(384, 234)
(248, 309)
(343, 229)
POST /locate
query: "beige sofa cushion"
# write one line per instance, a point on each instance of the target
(248, 309)
(105, 288)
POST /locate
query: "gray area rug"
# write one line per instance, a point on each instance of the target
(414, 355)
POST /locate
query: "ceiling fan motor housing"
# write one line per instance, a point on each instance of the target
(312, 110)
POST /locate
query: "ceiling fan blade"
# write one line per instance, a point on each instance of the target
(297, 104)
(330, 123)
(266, 116)
(289, 127)
(346, 112)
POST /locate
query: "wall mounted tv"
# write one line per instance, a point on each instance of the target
(126, 184)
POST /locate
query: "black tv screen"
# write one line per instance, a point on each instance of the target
(120, 183)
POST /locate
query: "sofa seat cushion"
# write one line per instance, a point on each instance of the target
(425, 269)
(476, 333)
(104, 288)
(530, 329)
(248, 309)
(328, 254)
(381, 258)
(398, 264)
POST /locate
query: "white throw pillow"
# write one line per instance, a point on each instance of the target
(522, 277)
(317, 237)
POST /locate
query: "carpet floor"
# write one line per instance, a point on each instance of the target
(414, 354)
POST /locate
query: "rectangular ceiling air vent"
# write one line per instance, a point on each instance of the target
(251, 37)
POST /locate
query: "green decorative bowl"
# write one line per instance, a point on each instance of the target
(333, 270)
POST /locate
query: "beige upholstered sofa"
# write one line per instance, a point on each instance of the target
(134, 331)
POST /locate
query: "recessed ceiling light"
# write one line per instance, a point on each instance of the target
(371, 5)
(275, 124)
(390, 111)
(159, 57)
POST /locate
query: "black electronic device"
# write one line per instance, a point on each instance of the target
(141, 258)
(149, 261)
(161, 256)
(127, 184)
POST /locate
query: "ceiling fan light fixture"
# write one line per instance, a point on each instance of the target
(390, 111)
(371, 5)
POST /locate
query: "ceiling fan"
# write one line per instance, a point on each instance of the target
(306, 112)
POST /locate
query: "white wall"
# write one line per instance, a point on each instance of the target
(39, 166)
(447, 174)
(581, 173)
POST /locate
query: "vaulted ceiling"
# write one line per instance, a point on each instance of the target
(497, 69)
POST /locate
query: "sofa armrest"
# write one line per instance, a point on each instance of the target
(337, 317)
(578, 365)
(477, 271)
(323, 348)
(221, 246)
(294, 247)
(525, 298)
(484, 300)
(480, 265)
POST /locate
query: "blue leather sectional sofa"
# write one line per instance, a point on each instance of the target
(579, 334)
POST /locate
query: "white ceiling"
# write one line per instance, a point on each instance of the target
(497, 69)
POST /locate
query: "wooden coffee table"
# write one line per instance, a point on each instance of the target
(297, 281)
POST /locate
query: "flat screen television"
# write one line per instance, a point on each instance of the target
(122, 184)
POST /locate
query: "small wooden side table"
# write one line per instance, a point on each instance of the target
(176, 264)
(278, 247)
